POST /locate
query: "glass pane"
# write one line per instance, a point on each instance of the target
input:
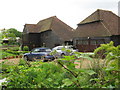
(100, 42)
(80, 42)
(93, 42)
(48, 50)
(85, 42)
(35, 50)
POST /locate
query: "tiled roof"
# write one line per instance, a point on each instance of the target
(99, 23)
(53, 23)
(29, 28)
(96, 29)
(45, 24)
(61, 29)
(92, 18)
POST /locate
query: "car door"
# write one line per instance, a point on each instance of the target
(38, 53)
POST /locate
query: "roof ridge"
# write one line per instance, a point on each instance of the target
(46, 19)
(98, 17)
(30, 24)
(103, 10)
(64, 23)
(108, 11)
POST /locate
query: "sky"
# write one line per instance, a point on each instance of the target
(17, 13)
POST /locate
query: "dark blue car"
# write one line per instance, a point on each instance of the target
(39, 54)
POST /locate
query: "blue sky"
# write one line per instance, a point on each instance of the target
(17, 13)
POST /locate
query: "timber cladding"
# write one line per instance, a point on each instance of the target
(48, 32)
(100, 27)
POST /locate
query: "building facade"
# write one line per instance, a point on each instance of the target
(49, 32)
(99, 28)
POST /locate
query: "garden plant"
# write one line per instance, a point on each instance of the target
(62, 72)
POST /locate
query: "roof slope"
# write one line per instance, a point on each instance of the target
(52, 23)
(61, 29)
(92, 18)
(96, 29)
(29, 28)
(99, 23)
(45, 24)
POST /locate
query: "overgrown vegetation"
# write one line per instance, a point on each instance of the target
(62, 72)
(11, 51)
(11, 35)
(25, 48)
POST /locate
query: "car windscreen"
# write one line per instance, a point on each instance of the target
(41, 50)
(48, 50)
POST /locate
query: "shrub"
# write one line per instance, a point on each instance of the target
(101, 51)
(107, 74)
(14, 48)
(37, 76)
(62, 73)
(9, 53)
(25, 48)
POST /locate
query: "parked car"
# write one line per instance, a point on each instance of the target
(60, 51)
(39, 54)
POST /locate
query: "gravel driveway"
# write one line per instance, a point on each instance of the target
(14, 60)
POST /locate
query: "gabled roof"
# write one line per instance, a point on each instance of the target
(45, 24)
(99, 23)
(61, 29)
(95, 16)
(92, 18)
(29, 28)
(96, 29)
(52, 23)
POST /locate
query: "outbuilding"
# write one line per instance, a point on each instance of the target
(100, 27)
(49, 32)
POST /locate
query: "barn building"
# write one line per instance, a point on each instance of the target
(49, 32)
(100, 27)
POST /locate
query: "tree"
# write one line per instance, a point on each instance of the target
(17, 33)
(11, 35)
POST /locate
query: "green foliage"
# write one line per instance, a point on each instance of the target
(16, 32)
(62, 73)
(109, 72)
(11, 35)
(109, 50)
(16, 48)
(0, 39)
(11, 52)
(40, 75)
(16, 52)
(37, 76)
(6, 54)
(25, 48)
(11, 32)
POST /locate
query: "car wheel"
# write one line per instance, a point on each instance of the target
(26, 58)
(62, 55)
(45, 60)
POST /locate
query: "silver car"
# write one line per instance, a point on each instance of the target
(60, 51)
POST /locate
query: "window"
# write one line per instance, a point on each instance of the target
(35, 50)
(85, 42)
(80, 42)
(107, 40)
(76, 41)
(101, 41)
(93, 42)
(48, 50)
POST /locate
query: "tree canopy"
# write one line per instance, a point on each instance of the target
(12, 32)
